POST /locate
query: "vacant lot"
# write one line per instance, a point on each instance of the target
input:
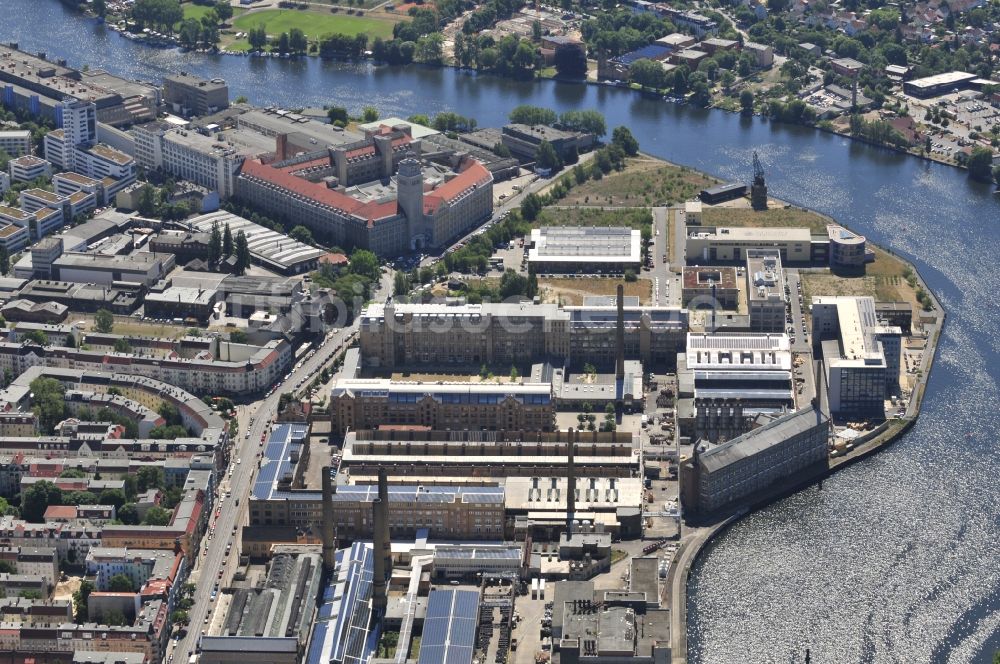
(562, 216)
(572, 291)
(644, 183)
(315, 24)
(774, 217)
(132, 327)
(883, 280)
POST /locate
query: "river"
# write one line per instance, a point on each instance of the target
(896, 559)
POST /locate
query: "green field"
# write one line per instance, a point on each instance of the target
(195, 11)
(314, 24)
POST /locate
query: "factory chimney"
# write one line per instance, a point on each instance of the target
(381, 545)
(620, 337)
(570, 480)
(329, 542)
(379, 591)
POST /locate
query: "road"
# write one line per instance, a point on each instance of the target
(218, 564)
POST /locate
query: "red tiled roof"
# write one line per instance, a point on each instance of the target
(473, 174)
(333, 259)
(54, 512)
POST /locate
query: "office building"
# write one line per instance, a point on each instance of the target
(14, 229)
(189, 95)
(523, 140)
(765, 290)
(15, 142)
(861, 356)
(28, 167)
(559, 249)
(710, 244)
(847, 249)
(721, 475)
(74, 146)
(710, 287)
(421, 207)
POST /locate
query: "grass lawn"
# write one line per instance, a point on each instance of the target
(594, 217)
(772, 217)
(194, 11)
(643, 183)
(314, 24)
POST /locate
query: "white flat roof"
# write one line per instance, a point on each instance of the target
(571, 244)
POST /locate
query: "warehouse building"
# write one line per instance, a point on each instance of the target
(585, 249)
(720, 475)
(939, 84)
(269, 248)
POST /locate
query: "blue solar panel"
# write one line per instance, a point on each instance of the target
(450, 627)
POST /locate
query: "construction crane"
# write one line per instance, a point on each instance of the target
(758, 190)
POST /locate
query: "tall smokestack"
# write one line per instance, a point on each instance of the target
(620, 336)
(329, 545)
(382, 537)
(379, 591)
(570, 480)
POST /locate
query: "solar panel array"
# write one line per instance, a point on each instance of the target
(277, 457)
(450, 627)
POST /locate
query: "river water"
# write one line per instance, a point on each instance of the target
(896, 559)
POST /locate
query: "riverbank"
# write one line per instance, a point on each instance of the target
(695, 542)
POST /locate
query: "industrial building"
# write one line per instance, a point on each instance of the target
(586, 249)
(455, 333)
(719, 475)
(189, 95)
(861, 356)
(607, 627)
(273, 250)
(523, 140)
(722, 193)
(365, 403)
(939, 84)
(448, 512)
(725, 380)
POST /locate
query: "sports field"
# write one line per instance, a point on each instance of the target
(314, 24)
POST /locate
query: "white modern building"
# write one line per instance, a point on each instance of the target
(589, 249)
(861, 357)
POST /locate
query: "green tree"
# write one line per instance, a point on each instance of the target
(215, 244)
(114, 497)
(591, 122)
(128, 514)
(297, 40)
(4, 260)
(37, 498)
(531, 206)
(156, 516)
(364, 263)
(512, 284)
(104, 321)
(257, 37)
(150, 477)
(746, 102)
(80, 598)
(624, 139)
(400, 284)
(189, 33)
(980, 164)
(48, 402)
(179, 617)
(37, 337)
(532, 115)
(227, 242)
(338, 114)
(284, 43)
(120, 583)
(223, 10)
(113, 618)
(369, 114)
(238, 337)
(546, 157)
(100, 7)
(73, 473)
(302, 234)
(242, 253)
(122, 346)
